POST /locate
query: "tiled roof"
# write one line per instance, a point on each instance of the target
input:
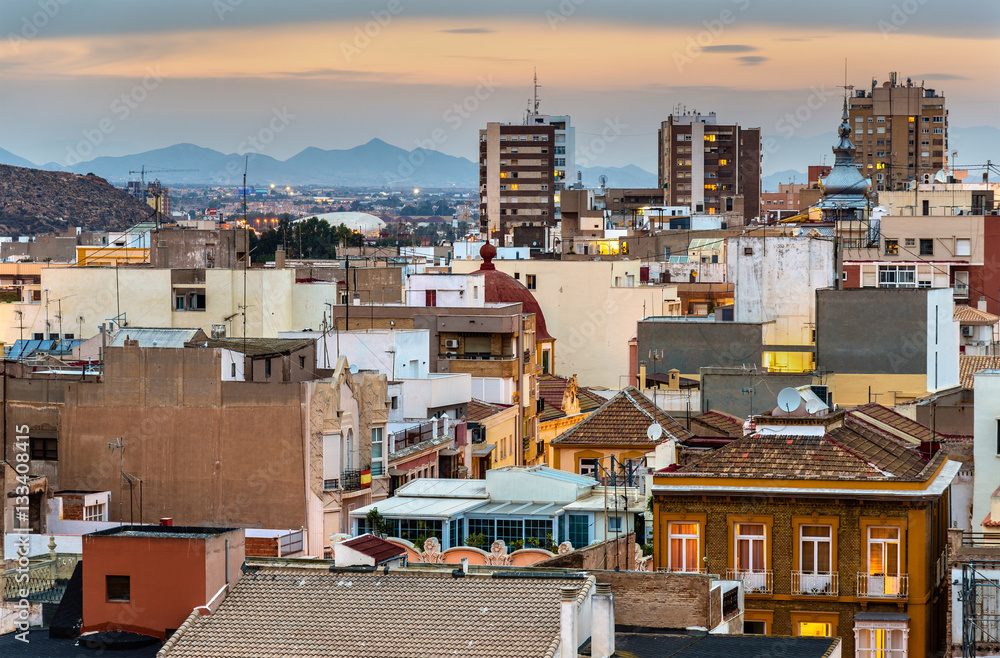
(290, 612)
(259, 346)
(969, 365)
(842, 453)
(721, 422)
(888, 421)
(477, 410)
(551, 389)
(989, 522)
(972, 315)
(374, 547)
(622, 420)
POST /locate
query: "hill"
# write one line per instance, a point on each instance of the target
(34, 201)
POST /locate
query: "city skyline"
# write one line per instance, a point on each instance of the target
(333, 77)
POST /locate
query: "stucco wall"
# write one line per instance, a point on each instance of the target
(689, 345)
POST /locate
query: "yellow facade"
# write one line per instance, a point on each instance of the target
(851, 390)
(110, 256)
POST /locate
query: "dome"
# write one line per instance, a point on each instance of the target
(504, 289)
(361, 222)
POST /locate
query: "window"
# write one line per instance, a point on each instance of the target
(815, 575)
(938, 131)
(302, 362)
(750, 547)
(267, 368)
(926, 246)
(891, 247)
(588, 467)
(377, 466)
(95, 512)
(683, 547)
(232, 369)
(813, 629)
(962, 247)
(910, 242)
(530, 280)
(579, 530)
(754, 627)
(45, 446)
(455, 533)
(998, 436)
(896, 276)
(538, 532)
(875, 642)
(118, 588)
(394, 402)
(614, 524)
(883, 577)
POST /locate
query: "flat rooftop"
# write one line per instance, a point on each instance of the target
(165, 531)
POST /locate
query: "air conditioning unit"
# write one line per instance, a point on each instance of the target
(967, 330)
(451, 343)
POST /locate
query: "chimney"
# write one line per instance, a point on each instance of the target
(981, 304)
(465, 565)
(167, 522)
(279, 258)
(674, 379)
(568, 623)
(602, 632)
(642, 376)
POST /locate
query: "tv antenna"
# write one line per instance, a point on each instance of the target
(535, 104)
(789, 399)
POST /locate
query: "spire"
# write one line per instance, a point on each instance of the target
(844, 150)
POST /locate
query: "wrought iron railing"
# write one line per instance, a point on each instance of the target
(880, 586)
(41, 577)
(754, 582)
(814, 584)
(331, 485)
(350, 480)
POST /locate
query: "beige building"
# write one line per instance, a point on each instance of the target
(591, 308)
(901, 133)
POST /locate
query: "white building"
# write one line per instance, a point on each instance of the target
(986, 450)
(396, 353)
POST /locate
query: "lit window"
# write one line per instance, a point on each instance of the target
(814, 629)
(723, 161)
(683, 547)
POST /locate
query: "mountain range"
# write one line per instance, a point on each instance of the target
(378, 163)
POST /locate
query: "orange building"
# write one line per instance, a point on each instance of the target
(149, 579)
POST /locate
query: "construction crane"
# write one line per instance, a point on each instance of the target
(143, 171)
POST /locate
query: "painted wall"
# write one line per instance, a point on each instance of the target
(986, 444)
(591, 308)
(372, 350)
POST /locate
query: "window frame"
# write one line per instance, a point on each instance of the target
(118, 584)
(697, 536)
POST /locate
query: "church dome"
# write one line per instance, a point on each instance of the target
(504, 289)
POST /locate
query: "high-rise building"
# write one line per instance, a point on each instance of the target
(517, 183)
(564, 151)
(710, 167)
(901, 133)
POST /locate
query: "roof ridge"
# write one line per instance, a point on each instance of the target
(181, 630)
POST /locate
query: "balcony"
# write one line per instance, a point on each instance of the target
(814, 584)
(351, 480)
(754, 582)
(682, 570)
(879, 586)
(961, 291)
(331, 485)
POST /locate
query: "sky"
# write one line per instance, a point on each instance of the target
(111, 77)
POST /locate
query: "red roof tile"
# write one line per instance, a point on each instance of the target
(622, 420)
(374, 547)
(969, 365)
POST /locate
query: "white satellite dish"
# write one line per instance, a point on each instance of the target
(789, 399)
(654, 432)
(354, 368)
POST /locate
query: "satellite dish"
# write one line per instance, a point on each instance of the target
(789, 399)
(654, 432)
(603, 180)
(354, 368)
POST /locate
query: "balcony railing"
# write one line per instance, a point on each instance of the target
(351, 480)
(754, 582)
(669, 569)
(879, 586)
(961, 290)
(814, 584)
(331, 485)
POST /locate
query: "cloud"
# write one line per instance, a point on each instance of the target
(752, 60)
(733, 48)
(468, 30)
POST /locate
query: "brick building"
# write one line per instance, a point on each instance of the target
(836, 524)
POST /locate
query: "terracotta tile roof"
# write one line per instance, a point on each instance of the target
(721, 422)
(477, 410)
(842, 453)
(972, 315)
(299, 611)
(989, 522)
(622, 420)
(969, 365)
(552, 388)
(890, 422)
(374, 547)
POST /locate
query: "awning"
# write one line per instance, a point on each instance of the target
(449, 452)
(396, 471)
(483, 449)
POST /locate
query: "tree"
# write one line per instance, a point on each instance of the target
(376, 522)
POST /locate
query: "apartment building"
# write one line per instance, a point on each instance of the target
(713, 168)
(564, 151)
(517, 179)
(901, 131)
(836, 525)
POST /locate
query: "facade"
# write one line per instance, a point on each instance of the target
(708, 166)
(148, 579)
(986, 453)
(531, 506)
(516, 178)
(565, 173)
(901, 131)
(979, 330)
(781, 204)
(834, 527)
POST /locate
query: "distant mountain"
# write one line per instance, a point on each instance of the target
(371, 164)
(8, 158)
(34, 201)
(975, 145)
(770, 183)
(630, 176)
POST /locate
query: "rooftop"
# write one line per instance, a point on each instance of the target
(254, 347)
(477, 410)
(660, 645)
(301, 611)
(167, 532)
(374, 547)
(721, 422)
(968, 366)
(157, 336)
(971, 315)
(623, 420)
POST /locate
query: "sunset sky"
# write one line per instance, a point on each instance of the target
(142, 75)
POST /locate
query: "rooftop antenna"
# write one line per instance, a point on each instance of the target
(846, 87)
(535, 104)
(119, 445)
(246, 260)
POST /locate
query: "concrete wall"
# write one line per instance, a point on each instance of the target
(986, 444)
(722, 389)
(689, 345)
(439, 392)
(373, 350)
